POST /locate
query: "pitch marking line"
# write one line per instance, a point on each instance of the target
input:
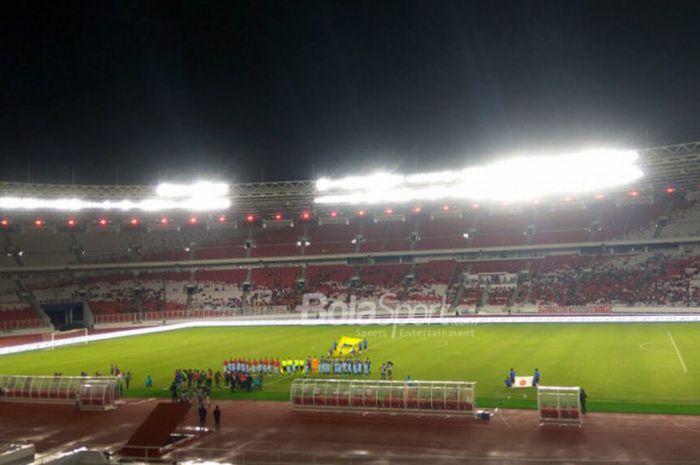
(678, 352)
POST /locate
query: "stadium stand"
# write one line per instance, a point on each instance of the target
(419, 270)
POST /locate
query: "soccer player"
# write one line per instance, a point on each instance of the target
(512, 376)
(536, 377)
(509, 383)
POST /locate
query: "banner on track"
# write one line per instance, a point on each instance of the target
(574, 308)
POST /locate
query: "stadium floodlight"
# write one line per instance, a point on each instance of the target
(522, 178)
(198, 189)
(147, 205)
(200, 196)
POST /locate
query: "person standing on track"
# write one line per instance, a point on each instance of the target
(582, 398)
(173, 392)
(217, 418)
(202, 416)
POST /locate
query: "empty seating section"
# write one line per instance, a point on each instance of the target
(18, 318)
(38, 251)
(500, 230)
(683, 221)
(387, 236)
(331, 238)
(562, 226)
(598, 221)
(15, 314)
(224, 251)
(277, 241)
(445, 233)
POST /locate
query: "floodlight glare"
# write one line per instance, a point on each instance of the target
(200, 196)
(516, 179)
(198, 189)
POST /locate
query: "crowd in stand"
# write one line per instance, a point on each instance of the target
(651, 279)
(622, 281)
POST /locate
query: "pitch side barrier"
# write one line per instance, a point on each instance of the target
(464, 320)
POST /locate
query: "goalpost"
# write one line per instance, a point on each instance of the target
(64, 338)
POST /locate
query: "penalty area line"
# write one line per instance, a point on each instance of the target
(678, 352)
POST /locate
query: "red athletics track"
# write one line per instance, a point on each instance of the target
(269, 432)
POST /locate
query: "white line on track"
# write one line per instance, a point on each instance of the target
(500, 414)
(678, 352)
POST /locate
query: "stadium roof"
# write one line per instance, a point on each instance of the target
(676, 166)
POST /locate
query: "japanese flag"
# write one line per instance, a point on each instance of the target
(522, 382)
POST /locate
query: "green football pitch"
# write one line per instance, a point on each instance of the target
(623, 367)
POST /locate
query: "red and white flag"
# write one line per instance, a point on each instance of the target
(522, 382)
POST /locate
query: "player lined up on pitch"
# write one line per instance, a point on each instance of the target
(293, 366)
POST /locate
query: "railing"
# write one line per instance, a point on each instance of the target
(134, 317)
(13, 325)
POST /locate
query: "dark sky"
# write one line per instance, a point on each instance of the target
(295, 87)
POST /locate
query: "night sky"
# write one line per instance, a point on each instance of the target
(141, 91)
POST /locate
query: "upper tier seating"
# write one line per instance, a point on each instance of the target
(477, 228)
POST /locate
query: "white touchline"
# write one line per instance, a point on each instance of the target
(678, 352)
